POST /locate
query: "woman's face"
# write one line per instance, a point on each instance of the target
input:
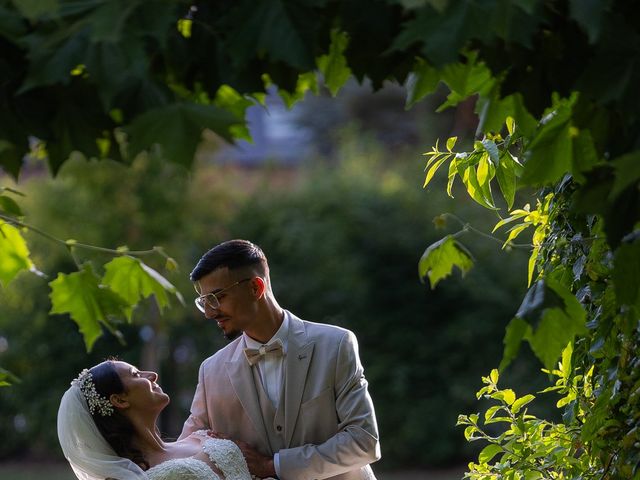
(140, 388)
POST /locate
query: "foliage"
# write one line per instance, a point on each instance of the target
(563, 71)
(527, 447)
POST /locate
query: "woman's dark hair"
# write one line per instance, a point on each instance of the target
(117, 430)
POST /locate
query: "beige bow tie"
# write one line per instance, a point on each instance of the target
(255, 354)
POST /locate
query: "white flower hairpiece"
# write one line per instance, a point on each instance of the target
(95, 401)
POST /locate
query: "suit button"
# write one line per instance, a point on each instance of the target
(279, 428)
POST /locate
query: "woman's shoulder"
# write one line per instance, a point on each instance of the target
(179, 468)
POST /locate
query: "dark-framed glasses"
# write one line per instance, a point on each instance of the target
(211, 300)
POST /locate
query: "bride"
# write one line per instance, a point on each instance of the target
(107, 430)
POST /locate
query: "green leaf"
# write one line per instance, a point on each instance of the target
(306, 82)
(178, 129)
(485, 172)
(585, 155)
(442, 35)
(488, 452)
(550, 152)
(271, 28)
(9, 206)
(590, 15)
(229, 99)
(14, 253)
(515, 215)
(492, 149)
(521, 402)
(333, 65)
(11, 157)
(506, 175)
(440, 258)
(474, 189)
(423, 81)
(184, 27)
(7, 378)
(508, 396)
(493, 113)
(626, 273)
(517, 330)
(533, 259)
(572, 306)
(88, 303)
(552, 334)
(558, 315)
(451, 142)
(538, 298)
(434, 168)
(34, 9)
(465, 80)
(133, 280)
(567, 353)
(626, 172)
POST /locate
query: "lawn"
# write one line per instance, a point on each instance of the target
(61, 471)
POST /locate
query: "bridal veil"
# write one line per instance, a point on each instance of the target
(85, 448)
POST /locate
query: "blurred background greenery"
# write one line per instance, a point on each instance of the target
(343, 224)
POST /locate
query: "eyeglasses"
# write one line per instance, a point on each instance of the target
(211, 300)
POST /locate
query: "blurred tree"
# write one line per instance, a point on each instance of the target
(343, 245)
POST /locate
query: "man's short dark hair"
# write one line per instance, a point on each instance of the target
(232, 254)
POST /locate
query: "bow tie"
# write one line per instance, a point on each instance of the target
(255, 354)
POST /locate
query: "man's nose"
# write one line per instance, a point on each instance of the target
(153, 376)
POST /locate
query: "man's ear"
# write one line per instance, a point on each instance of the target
(258, 287)
(119, 400)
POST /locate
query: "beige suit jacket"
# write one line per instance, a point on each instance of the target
(330, 425)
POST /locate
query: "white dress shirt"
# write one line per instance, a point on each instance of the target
(271, 367)
(271, 370)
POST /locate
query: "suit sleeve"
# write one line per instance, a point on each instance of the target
(356, 443)
(198, 419)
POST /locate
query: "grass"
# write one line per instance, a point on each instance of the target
(36, 471)
(61, 471)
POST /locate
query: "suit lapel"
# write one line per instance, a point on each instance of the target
(241, 378)
(297, 361)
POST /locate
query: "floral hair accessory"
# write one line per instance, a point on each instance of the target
(95, 401)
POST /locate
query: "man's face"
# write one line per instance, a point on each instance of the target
(234, 295)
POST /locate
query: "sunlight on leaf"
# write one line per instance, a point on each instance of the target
(133, 280)
(184, 27)
(440, 258)
(14, 253)
(333, 65)
(488, 452)
(88, 303)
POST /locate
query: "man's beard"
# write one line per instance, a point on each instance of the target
(231, 335)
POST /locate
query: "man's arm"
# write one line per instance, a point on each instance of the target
(356, 444)
(198, 420)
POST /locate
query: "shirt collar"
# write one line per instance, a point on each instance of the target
(282, 334)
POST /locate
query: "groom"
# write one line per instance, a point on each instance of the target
(291, 393)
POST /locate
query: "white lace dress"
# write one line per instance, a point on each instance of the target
(223, 453)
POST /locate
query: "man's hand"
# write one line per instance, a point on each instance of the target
(259, 465)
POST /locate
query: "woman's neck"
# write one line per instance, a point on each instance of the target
(147, 439)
